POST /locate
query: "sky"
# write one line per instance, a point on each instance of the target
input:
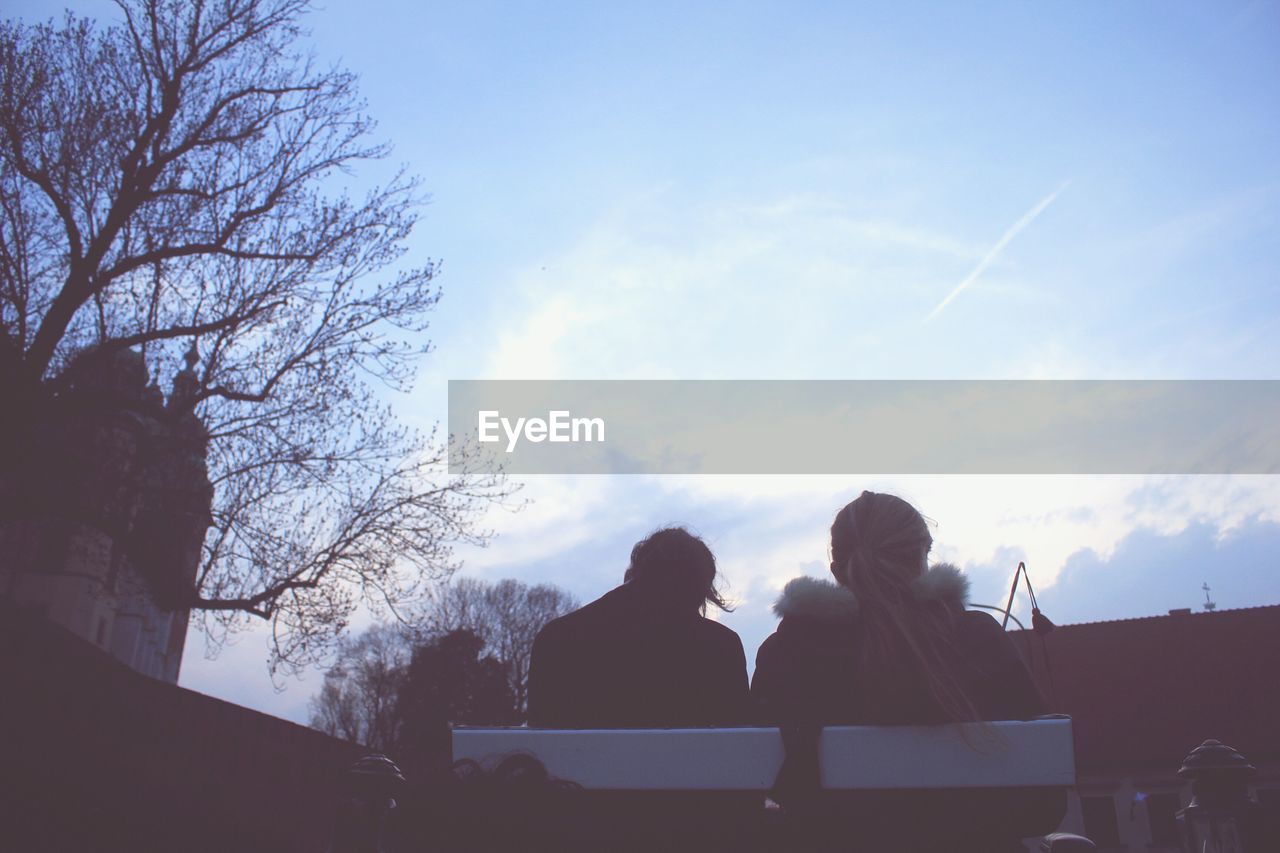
(838, 191)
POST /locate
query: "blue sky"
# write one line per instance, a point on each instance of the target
(769, 190)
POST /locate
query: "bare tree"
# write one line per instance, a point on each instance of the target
(359, 698)
(172, 184)
(507, 614)
(391, 692)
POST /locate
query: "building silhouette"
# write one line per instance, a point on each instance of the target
(1142, 694)
(104, 503)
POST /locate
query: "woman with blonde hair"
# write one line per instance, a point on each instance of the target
(891, 643)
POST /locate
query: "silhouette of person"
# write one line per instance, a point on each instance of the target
(891, 643)
(644, 655)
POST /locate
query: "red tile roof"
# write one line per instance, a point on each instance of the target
(1145, 692)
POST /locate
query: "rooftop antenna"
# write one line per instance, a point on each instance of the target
(1208, 602)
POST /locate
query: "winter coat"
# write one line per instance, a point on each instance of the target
(628, 660)
(808, 675)
(807, 671)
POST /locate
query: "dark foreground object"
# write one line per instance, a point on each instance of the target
(97, 758)
(516, 806)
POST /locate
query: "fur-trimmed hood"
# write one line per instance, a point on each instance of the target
(826, 601)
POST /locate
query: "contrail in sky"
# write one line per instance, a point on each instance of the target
(1027, 219)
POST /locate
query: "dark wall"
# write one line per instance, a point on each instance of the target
(97, 757)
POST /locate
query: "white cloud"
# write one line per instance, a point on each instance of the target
(766, 530)
(533, 350)
(663, 287)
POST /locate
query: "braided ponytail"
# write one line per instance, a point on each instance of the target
(879, 549)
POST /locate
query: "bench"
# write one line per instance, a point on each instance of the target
(1034, 753)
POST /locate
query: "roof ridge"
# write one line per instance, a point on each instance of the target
(1192, 612)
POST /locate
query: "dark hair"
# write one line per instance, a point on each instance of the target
(677, 566)
(879, 549)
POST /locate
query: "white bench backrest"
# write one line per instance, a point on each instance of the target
(998, 754)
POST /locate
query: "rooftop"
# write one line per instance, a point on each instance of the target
(1144, 692)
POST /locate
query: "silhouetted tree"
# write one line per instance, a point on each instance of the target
(169, 184)
(450, 681)
(507, 614)
(359, 698)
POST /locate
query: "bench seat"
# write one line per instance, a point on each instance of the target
(1003, 754)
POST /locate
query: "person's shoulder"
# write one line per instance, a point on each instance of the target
(567, 623)
(982, 632)
(718, 633)
(606, 612)
(980, 620)
(551, 635)
(721, 647)
(979, 623)
(770, 648)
